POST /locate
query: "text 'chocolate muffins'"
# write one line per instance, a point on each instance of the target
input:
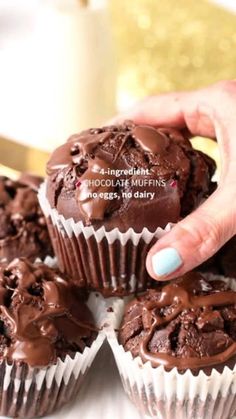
(42, 316)
(23, 230)
(190, 323)
(128, 176)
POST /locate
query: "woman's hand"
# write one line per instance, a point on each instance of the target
(209, 112)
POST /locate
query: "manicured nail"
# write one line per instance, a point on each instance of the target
(166, 261)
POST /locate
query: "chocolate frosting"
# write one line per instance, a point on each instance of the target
(189, 323)
(151, 140)
(42, 316)
(23, 230)
(162, 155)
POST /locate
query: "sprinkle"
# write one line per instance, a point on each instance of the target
(173, 183)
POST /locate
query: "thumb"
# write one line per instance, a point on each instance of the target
(196, 238)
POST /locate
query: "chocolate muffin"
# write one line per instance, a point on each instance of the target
(188, 324)
(175, 348)
(223, 262)
(127, 163)
(44, 328)
(42, 315)
(23, 229)
(108, 193)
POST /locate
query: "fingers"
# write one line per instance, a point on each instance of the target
(179, 110)
(211, 113)
(195, 238)
(187, 109)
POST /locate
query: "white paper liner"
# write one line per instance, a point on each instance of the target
(169, 394)
(69, 226)
(48, 260)
(56, 384)
(99, 259)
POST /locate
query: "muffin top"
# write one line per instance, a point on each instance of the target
(42, 316)
(23, 230)
(189, 323)
(128, 176)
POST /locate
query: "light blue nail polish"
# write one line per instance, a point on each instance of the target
(166, 261)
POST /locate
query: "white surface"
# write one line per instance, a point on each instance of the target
(102, 395)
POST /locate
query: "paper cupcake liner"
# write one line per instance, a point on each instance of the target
(110, 262)
(27, 392)
(169, 394)
(49, 260)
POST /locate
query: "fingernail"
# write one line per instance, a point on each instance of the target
(166, 261)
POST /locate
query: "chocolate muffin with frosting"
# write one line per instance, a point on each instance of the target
(48, 339)
(188, 324)
(109, 193)
(42, 314)
(23, 229)
(128, 176)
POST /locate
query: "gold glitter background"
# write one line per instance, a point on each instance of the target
(165, 45)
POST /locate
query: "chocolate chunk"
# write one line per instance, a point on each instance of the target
(150, 139)
(163, 340)
(188, 337)
(131, 329)
(214, 343)
(210, 320)
(132, 344)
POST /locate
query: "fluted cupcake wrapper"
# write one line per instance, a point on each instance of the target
(169, 394)
(27, 392)
(110, 262)
(49, 260)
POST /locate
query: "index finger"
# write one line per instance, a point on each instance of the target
(191, 110)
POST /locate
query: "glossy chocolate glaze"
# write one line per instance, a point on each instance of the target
(190, 323)
(163, 155)
(151, 140)
(42, 316)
